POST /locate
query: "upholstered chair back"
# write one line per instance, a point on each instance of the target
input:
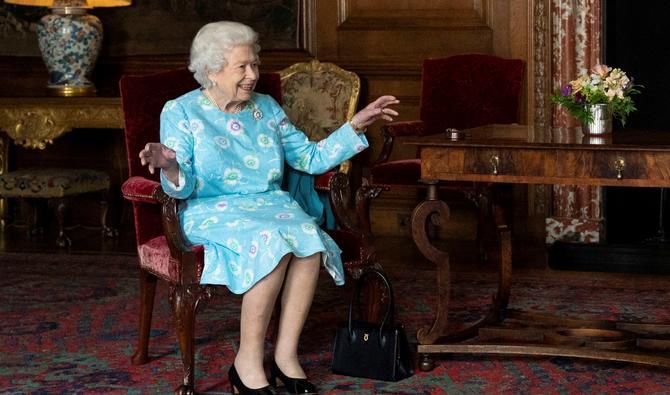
(470, 90)
(142, 99)
(319, 97)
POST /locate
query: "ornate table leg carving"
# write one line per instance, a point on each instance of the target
(436, 211)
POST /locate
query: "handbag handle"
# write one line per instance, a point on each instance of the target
(388, 317)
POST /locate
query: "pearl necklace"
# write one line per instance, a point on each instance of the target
(238, 107)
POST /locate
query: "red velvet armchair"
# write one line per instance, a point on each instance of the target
(459, 92)
(162, 250)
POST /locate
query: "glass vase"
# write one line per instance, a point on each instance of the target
(601, 120)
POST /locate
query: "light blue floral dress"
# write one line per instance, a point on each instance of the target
(231, 168)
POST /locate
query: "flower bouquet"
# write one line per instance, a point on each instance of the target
(605, 86)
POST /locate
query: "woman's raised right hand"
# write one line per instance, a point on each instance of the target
(158, 156)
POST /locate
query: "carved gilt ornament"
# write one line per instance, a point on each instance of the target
(36, 125)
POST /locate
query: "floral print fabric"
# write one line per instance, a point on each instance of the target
(231, 168)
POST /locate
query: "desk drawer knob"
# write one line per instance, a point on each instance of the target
(495, 162)
(619, 166)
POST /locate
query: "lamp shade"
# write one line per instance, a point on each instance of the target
(72, 3)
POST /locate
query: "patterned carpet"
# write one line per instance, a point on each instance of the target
(69, 325)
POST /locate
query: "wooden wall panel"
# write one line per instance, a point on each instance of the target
(412, 45)
(385, 42)
(412, 30)
(419, 13)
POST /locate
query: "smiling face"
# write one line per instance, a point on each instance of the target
(236, 81)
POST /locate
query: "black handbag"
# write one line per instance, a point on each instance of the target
(376, 351)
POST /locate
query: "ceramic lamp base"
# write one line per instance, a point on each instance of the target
(70, 41)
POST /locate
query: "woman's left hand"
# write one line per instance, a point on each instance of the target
(376, 110)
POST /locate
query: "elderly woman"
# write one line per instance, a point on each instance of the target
(223, 149)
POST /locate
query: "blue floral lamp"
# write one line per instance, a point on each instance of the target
(70, 39)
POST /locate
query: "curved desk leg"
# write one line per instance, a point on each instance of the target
(436, 211)
(501, 298)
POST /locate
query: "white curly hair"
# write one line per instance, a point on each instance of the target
(212, 45)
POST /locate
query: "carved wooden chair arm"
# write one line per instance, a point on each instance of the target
(339, 195)
(397, 129)
(143, 190)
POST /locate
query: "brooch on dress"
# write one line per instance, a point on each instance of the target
(257, 114)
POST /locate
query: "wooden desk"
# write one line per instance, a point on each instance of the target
(519, 154)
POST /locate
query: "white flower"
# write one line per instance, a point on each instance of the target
(221, 205)
(234, 245)
(222, 142)
(308, 228)
(232, 176)
(208, 222)
(273, 175)
(264, 140)
(191, 126)
(253, 249)
(303, 161)
(284, 215)
(335, 150)
(235, 268)
(199, 184)
(252, 162)
(248, 278)
(188, 225)
(292, 241)
(248, 206)
(235, 127)
(172, 143)
(169, 105)
(266, 235)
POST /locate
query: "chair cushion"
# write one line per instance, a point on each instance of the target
(354, 254)
(140, 189)
(52, 183)
(398, 172)
(155, 257)
(322, 181)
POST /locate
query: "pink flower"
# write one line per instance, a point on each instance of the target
(602, 70)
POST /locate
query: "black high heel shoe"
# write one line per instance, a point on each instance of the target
(237, 384)
(293, 386)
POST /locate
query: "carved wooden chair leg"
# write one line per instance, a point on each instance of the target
(34, 219)
(107, 231)
(185, 300)
(4, 213)
(62, 239)
(147, 294)
(363, 196)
